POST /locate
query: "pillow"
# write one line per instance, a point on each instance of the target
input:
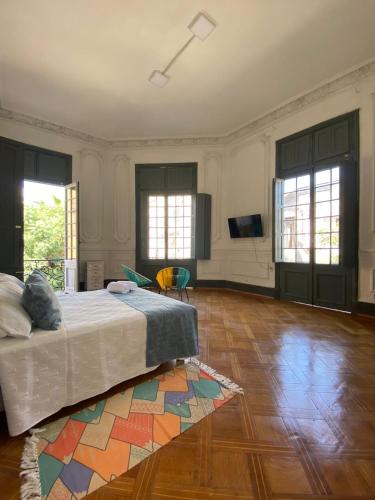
(40, 301)
(9, 278)
(14, 320)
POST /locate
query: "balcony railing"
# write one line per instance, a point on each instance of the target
(53, 269)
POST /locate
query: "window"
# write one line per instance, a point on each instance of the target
(327, 216)
(170, 232)
(294, 218)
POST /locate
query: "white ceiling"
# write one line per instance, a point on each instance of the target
(85, 64)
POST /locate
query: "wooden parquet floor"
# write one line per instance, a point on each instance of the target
(305, 428)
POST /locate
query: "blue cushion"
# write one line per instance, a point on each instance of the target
(40, 301)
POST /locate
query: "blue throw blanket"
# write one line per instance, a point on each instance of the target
(172, 326)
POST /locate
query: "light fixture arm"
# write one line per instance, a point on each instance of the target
(201, 27)
(174, 59)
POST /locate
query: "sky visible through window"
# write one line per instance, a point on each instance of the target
(33, 192)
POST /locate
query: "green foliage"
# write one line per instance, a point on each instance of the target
(44, 230)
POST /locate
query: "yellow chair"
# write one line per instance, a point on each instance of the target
(173, 278)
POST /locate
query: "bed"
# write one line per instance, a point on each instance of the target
(105, 339)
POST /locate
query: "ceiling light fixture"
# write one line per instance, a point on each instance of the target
(159, 79)
(201, 27)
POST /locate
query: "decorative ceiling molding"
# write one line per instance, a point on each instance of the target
(295, 105)
(316, 95)
(51, 127)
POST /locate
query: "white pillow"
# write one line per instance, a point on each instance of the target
(8, 278)
(14, 320)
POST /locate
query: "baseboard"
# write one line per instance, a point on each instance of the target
(367, 308)
(233, 285)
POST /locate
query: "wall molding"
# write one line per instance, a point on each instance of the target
(122, 217)
(213, 167)
(366, 308)
(353, 77)
(92, 208)
(233, 285)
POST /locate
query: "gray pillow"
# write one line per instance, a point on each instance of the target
(40, 301)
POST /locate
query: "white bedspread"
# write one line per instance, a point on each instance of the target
(102, 343)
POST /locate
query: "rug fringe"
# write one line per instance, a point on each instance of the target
(31, 489)
(225, 381)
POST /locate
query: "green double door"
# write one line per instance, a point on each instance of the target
(316, 215)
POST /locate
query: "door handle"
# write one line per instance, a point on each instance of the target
(17, 227)
(19, 272)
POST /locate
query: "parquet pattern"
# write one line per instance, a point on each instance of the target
(305, 428)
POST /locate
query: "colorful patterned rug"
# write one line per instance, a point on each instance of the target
(76, 455)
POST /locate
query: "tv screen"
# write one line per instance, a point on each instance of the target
(248, 226)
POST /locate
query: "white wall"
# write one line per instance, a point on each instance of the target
(238, 175)
(250, 166)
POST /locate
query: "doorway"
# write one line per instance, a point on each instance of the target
(44, 231)
(316, 215)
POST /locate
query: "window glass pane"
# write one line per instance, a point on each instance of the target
(334, 240)
(303, 226)
(323, 193)
(336, 174)
(335, 207)
(303, 211)
(289, 213)
(335, 224)
(289, 241)
(323, 209)
(322, 225)
(322, 256)
(323, 240)
(289, 255)
(303, 241)
(303, 255)
(289, 199)
(335, 256)
(187, 222)
(323, 177)
(303, 182)
(290, 185)
(335, 191)
(303, 196)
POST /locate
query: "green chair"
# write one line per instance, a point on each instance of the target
(132, 275)
(173, 278)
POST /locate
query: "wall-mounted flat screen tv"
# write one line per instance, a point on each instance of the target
(248, 226)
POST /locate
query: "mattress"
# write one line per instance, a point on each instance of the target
(101, 343)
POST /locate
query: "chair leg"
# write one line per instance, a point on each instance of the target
(187, 295)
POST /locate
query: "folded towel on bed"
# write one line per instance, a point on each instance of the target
(130, 285)
(121, 286)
